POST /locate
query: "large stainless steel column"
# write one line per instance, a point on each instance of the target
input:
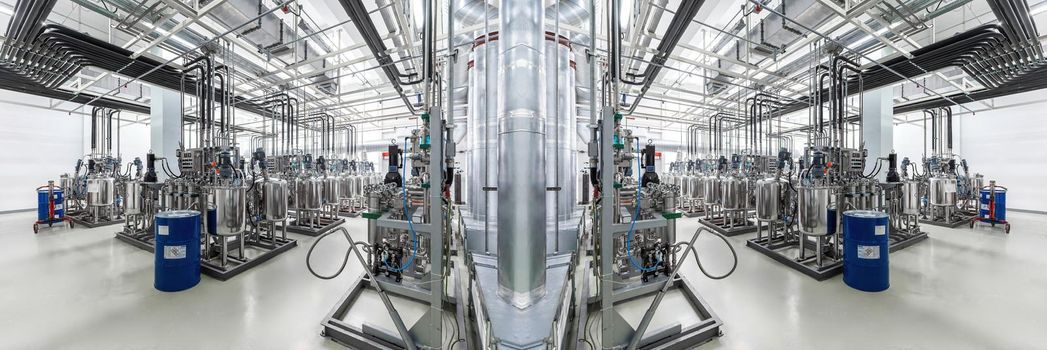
(521, 162)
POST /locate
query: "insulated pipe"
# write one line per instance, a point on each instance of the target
(948, 128)
(521, 94)
(94, 129)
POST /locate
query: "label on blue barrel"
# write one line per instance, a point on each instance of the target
(868, 252)
(881, 230)
(178, 252)
(58, 207)
(161, 230)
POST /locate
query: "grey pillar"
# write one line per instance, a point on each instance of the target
(165, 126)
(878, 127)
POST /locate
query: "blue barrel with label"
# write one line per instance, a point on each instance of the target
(177, 265)
(865, 249)
(43, 204)
(1000, 205)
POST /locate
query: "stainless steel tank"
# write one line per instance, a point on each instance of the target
(710, 190)
(769, 198)
(345, 187)
(695, 184)
(274, 199)
(308, 193)
(977, 182)
(230, 205)
(685, 185)
(132, 198)
(101, 191)
(910, 197)
(735, 194)
(67, 183)
(813, 213)
(942, 190)
(331, 189)
(358, 184)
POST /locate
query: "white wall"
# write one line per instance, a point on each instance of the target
(38, 144)
(1007, 144)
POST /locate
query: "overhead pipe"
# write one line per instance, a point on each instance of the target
(362, 21)
(684, 16)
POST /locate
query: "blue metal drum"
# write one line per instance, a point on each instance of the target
(1000, 206)
(43, 205)
(177, 265)
(212, 221)
(865, 249)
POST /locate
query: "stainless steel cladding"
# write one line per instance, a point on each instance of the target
(769, 198)
(521, 127)
(735, 193)
(814, 210)
(331, 189)
(101, 191)
(274, 197)
(943, 191)
(561, 122)
(482, 167)
(910, 198)
(230, 205)
(710, 190)
(132, 198)
(308, 191)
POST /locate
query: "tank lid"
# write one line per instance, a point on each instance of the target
(175, 214)
(865, 214)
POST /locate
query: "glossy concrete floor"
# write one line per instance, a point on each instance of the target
(961, 289)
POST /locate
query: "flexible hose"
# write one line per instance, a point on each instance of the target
(345, 260)
(734, 254)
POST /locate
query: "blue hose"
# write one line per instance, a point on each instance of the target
(632, 225)
(410, 224)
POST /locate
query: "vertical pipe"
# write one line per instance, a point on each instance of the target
(521, 107)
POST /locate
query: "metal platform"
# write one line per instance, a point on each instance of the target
(92, 224)
(729, 229)
(213, 267)
(373, 328)
(964, 220)
(321, 226)
(674, 327)
(348, 213)
(782, 251)
(140, 240)
(235, 266)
